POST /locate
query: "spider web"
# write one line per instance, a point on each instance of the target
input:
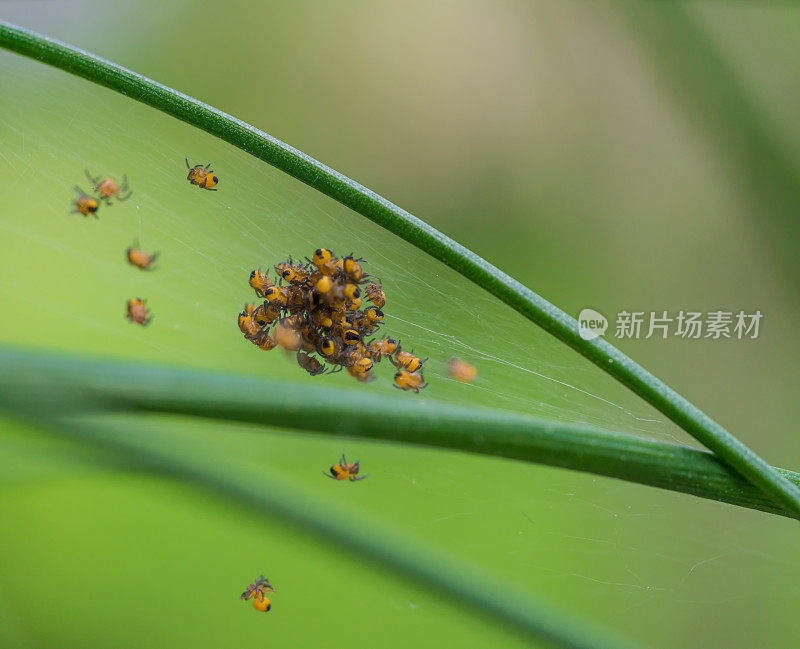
(209, 243)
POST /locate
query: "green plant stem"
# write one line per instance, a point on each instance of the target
(48, 383)
(396, 220)
(481, 594)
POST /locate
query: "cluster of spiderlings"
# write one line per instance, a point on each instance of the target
(106, 188)
(324, 309)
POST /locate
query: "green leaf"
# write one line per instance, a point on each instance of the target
(41, 383)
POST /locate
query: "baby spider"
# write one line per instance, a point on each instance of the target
(264, 341)
(85, 204)
(406, 361)
(266, 314)
(107, 188)
(404, 380)
(247, 323)
(352, 269)
(140, 258)
(377, 349)
(376, 295)
(259, 282)
(201, 176)
(461, 370)
(359, 375)
(138, 312)
(296, 274)
(345, 471)
(324, 260)
(257, 591)
(287, 338)
(312, 365)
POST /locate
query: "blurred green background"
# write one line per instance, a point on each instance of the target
(615, 155)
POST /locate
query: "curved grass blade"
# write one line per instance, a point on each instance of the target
(412, 560)
(49, 383)
(396, 220)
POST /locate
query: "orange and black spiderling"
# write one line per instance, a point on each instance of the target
(377, 349)
(312, 365)
(363, 365)
(322, 318)
(324, 285)
(202, 176)
(246, 318)
(277, 295)
(351, 337)
(353, 355)
(461, 370)
(314, 308)
(260, 282)
(345, 470)
(264, 341)
(286, 337)
(351, 291)
(323, 256)
(373, 316)
(309, 340)
(325, 262)
(139, 258)
(374, 293)
(85, 204)
(405, 380)
(295, 274)
(108, 188)
(361, 377)
(137, 312)
(266, 314)
(257, 591)
(330, 347)
(353, 305)
(406, 361)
